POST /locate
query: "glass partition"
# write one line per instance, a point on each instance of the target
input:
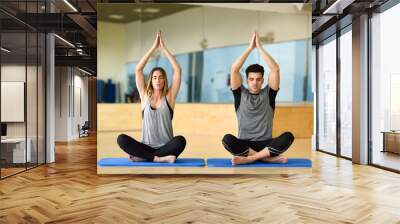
(385, 89)
(327, 96)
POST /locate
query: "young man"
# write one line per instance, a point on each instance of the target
(255, 112)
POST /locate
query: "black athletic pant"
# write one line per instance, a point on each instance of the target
(240, 147)
(174, 147)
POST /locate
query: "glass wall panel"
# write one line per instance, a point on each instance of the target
(346, 94)
(14, 152)
(41, 78)
(327, 96)
(31, 98)
(385, 85)
(22, 88)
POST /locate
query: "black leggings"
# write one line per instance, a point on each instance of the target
(240, 147)
(174, 147)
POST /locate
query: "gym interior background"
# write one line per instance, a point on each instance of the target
(205, 46)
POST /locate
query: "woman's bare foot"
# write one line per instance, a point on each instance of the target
(276, 159)
(136, 159)
(241, 160)
(164, 159)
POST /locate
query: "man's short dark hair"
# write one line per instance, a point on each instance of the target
(255, 68)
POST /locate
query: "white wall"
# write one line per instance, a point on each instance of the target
(80, 94)
(69, 85)
(112, 42)
(133, 40)
(61, 103)
(183, 31)
(12, 73)
(33, 126)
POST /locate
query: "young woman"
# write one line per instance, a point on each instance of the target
(157, 103)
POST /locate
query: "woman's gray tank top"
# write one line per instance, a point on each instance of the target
(157, 124)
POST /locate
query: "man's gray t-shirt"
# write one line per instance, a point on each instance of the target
(255, 113)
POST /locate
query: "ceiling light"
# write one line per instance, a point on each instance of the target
(152, 10)
(70, 5)
(115, 16)
(84, 71)
(5, 50)
(64, 40)
(337, 7)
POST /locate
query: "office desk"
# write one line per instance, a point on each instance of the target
(16, 147)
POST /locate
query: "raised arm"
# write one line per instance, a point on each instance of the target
(140, 82)
(176, 79)
(236, 78)
(274, 76)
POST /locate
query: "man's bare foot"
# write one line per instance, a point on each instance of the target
(276, 159)
(136, 159)
(241, 160)
(164, 159)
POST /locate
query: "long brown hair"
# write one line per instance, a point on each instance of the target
(149, 86)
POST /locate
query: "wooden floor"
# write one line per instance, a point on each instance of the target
(198, 146)
(203, 126)
(387, 159)
(7, 171)
(70, 191)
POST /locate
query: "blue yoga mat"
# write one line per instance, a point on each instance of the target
(127, 162)
(292, 162)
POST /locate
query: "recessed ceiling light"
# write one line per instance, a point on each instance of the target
(84, 71)
(335, 8)
(5, 50)
(70, 5)
(64, 40)
(152, 10)
(116, 16)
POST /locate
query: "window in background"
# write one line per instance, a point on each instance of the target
(327, 96)
(385, 85)
(346, 94)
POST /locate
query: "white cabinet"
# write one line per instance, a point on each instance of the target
(18, 149)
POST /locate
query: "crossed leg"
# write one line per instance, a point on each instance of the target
(245, 151)
(139, 152)
(253, 156)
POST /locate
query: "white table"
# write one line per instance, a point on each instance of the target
(19, 149)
